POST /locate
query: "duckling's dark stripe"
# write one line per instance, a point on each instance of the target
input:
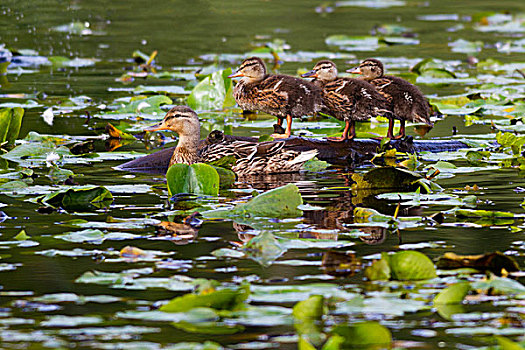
(177, 115)
(248, 64)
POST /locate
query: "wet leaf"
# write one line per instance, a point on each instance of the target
(146, 105)
(380, 305)
(70, 321)
(90, 236)
(311, 308)
(315, 165)
(78, 198)
(198, 178)
(264, 248)
(411, 266)
(281, 202)
(507, 344)
(214, 92)
(207, 345)
(499, 286)
(388, 178)
(223, 299)
(363, 334)
(22, 236)
(471, 213)
(453, 294)
(307, 314)
(212, 328)
(379, 270)
(353, 43)
(10, 122)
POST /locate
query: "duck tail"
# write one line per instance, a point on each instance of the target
(304, 156)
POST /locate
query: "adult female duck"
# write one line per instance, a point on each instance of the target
(252, 158)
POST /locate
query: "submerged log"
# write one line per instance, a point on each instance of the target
(349, 153)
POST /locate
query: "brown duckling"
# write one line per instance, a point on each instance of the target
(407, 101)
(346, 98)
(252, 158)
(282, 96)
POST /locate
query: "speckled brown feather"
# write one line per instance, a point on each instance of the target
(254, 158)
(407, 102)
(353, 99)
(279, 95)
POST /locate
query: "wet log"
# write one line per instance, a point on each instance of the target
(349, 153)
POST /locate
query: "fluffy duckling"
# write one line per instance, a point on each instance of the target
(406, 100)
(347, 99)
(282, 96)
(253, 158)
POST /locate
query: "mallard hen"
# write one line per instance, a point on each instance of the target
(347, 99)
(407, 101)
(252, 158)
(282, 96)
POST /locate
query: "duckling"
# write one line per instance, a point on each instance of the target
(252, 158)
(282, 96)
(407, 101)
(347, 99)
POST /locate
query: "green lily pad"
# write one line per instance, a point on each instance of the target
(379, 270)
(507, 344)
(198, 178)
(411, 266)
(281, 202)
(78, 198)
(363, 334)
(147, 105)
(10, 122)
(354, 43)
(453, 294)
(223, 299)
(499, 286)
(213, 92)
(471, 213)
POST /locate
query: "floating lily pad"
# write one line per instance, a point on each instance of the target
(77, 198)
(198, 178)
(281, 202)
(453, 294)
(10, 122)
(214, 92)
(223, 299)
(363, 334)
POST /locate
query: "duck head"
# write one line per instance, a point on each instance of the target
(251, 70)
(180, 119)
(369, 68)
(324, 71)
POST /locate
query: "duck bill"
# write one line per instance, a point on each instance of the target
(310, 74)
(236, 75)
(156, 127)
(355, 70)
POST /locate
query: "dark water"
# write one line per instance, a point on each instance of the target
(183, 32)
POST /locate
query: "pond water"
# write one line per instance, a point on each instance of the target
(477, 49)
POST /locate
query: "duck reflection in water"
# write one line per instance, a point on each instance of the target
(180, 233)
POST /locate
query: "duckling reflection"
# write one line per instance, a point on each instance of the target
(341, 263)
(244, 232)
(374, 234)
(180, 233)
